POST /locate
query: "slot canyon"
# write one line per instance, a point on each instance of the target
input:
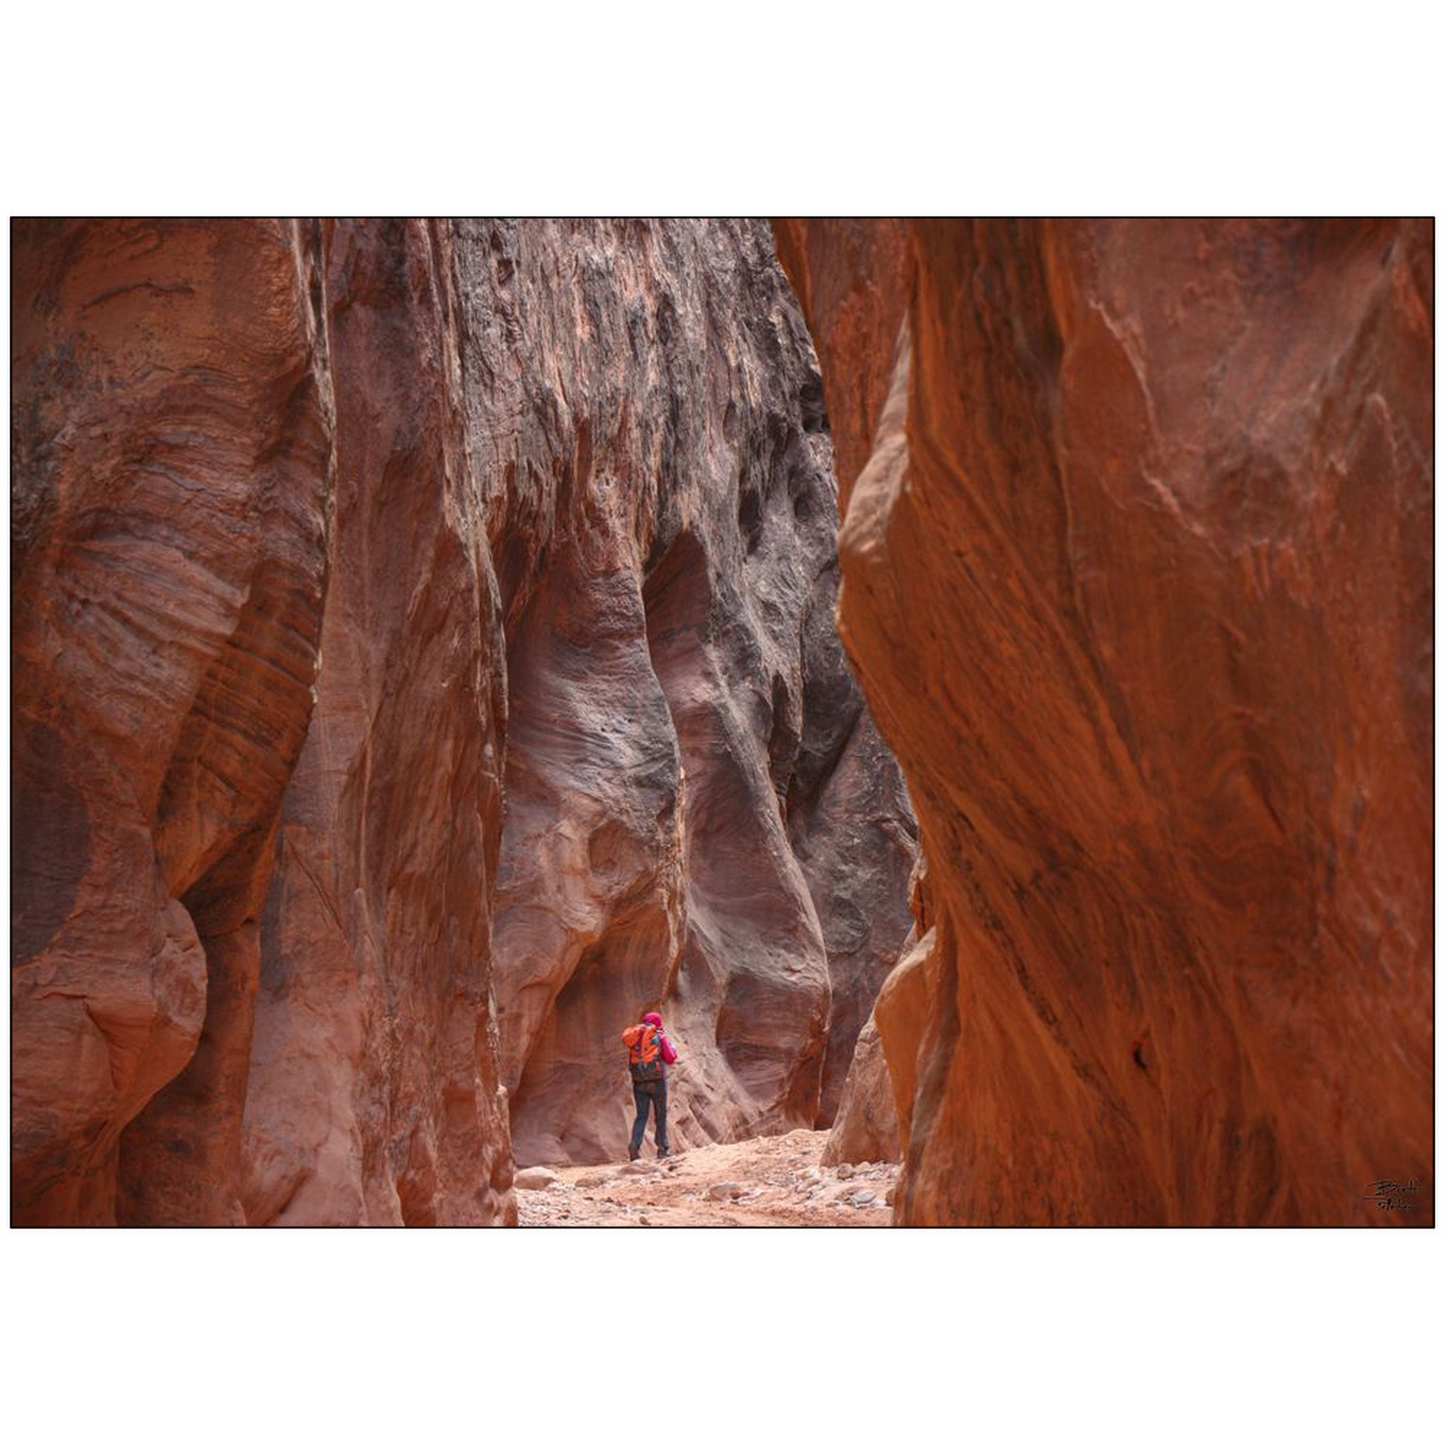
(975, 679)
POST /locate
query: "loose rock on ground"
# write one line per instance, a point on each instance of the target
(775, 1181)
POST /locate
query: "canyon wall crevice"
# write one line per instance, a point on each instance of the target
(1137, 577)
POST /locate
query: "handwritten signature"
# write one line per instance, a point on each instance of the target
(1391, 1193)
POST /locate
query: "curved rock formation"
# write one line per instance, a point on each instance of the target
(172, 439)
(1137, 575)
(334, 544)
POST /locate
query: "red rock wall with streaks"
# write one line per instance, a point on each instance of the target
(1138, 579)
(373, 1094)
(172, 452)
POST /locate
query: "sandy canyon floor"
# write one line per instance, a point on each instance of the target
(759, 1182)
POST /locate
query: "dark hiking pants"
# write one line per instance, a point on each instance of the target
(655, 1093)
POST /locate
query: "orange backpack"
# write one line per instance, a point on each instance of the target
(643, 1055)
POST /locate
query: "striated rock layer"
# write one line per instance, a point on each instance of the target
(423, 661)
(1138, 577)
(373, 1094)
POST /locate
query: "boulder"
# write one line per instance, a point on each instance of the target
(866, 1127)
(597, 1179)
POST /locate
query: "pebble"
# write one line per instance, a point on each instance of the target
(535, 1178)
(724, 1190)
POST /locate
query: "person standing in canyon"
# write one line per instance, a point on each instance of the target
(649, 1052)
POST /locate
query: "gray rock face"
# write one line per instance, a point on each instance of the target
(699, 812)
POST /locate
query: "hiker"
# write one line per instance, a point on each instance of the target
(649, 1052)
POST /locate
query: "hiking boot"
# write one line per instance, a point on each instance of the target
(664, 1153)
(634, 1154)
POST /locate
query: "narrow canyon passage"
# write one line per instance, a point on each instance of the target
(429, 654)
(482, 691)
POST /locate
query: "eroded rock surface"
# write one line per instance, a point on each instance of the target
(1137, 575)
(699, 812)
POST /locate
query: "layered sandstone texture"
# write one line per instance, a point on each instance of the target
(423, 661)
(172, 431)
(1137, 573)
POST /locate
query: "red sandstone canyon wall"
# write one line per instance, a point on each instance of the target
(172, 456)
(373, 1094)
(423, 660)
(1137, 574)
